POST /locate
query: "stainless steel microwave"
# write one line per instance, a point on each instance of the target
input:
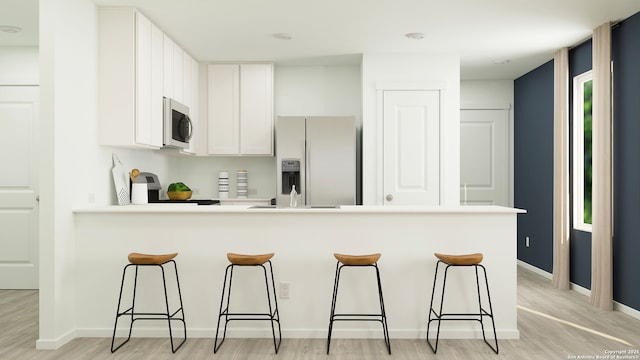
(178, 129)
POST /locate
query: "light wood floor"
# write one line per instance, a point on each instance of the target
(553, 325)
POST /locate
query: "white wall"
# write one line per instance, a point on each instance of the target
(486, 93)
(318, 90)
(382, 70)
(19, 66)
(67, 74)
(74, 170)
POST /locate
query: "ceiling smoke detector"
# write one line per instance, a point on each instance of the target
(414, 35)
(9, 29)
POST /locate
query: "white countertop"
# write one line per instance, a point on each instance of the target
(194, 208)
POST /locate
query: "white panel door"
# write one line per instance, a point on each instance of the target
(18, 187)
(411, 147)
(484, 157)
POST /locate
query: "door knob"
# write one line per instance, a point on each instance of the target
(389, 197)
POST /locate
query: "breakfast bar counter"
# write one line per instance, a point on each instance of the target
(303, 240)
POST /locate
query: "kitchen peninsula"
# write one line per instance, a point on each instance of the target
(304, 241)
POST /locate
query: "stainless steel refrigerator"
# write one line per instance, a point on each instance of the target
(317, 154)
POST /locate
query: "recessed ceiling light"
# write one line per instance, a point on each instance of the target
(415, 35)
(501, 61)
(10, 29)
(282, 36)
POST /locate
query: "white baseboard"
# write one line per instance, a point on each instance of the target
(53, 344)
(626, 310)
(581, 290)
(535, 269)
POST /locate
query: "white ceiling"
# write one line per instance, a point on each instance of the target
(526, 32)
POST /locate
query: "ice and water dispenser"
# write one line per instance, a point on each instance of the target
(290, 176)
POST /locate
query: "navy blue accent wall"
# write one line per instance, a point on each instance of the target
(580, 61)
(626, 136)
(533, 165)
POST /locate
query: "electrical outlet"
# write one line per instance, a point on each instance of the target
(284, 290)
(526, 241)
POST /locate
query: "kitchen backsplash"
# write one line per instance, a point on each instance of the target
(201, 175)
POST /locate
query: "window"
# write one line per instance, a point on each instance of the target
(582, 164)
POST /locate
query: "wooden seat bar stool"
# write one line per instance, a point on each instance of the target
(457, 261)
(137, 260)
(358, 261)
(273, 316)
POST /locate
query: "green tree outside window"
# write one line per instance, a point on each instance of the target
(588, 99)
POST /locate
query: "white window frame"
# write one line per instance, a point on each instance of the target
(578, 151)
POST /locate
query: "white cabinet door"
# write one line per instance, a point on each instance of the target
(167, 77)
(129, 79)
(224, 117)
(148, 83)
(240, 109)
(186, 79)
(256, 109)
(411, 147)
(178, 77)
(484, 157)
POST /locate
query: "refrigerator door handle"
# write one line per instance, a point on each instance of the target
(307, 172)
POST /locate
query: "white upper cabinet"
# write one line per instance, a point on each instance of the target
(167, 75)
(180, 73)
(130, 79)
(240, 100)
(224, 110)
(256, 109)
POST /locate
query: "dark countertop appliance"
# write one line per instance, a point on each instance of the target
(154, 187)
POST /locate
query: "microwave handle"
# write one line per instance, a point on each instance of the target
(186, 128)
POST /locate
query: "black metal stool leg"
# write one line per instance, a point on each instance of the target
(228, 272)
(431, 311)
(130, 311)
(170, 316)
(274, 315)
(483, 312)
(334, 297)
(385, 329)
(437, 315)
